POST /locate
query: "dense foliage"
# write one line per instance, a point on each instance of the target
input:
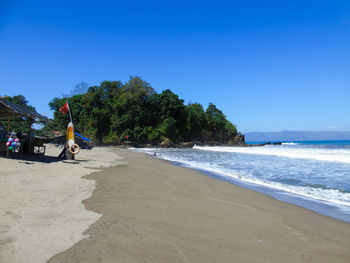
(112, 110)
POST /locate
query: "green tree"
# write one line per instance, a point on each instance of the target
(216, 119)
(173, 115)
(218, 126)
(137, 83)
(196, 121)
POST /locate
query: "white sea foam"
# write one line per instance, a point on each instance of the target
(331, 155)
(290, 143)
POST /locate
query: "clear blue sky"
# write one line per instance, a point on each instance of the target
(268, 65)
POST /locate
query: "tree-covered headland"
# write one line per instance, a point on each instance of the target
(113, 110)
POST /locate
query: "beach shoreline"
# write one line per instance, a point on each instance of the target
(154, 211)
(332, 210)
(307, 189)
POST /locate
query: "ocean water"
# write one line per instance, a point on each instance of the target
(311, 174)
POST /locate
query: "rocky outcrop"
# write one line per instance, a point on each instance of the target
(237, 140)
(166, 143)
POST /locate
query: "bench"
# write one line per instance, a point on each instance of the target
(39, 149)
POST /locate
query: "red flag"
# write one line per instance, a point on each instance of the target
(64, 108)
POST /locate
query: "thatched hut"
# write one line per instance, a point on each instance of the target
(10, 111)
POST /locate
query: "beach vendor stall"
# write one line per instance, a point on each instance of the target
(15, 140)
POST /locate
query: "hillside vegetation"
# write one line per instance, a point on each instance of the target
(113, 110)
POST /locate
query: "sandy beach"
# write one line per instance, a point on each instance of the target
(41, 210)
(153, 211)
(144, 209)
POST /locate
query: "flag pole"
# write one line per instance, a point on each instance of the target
(70, 114)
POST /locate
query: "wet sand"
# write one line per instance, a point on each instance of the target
(153, 211)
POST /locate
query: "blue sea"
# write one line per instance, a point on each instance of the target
(311, 174)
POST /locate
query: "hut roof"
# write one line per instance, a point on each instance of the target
(9, 109)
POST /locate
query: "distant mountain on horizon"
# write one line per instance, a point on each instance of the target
(296, 136)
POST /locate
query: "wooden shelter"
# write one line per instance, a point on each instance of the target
(10, 111)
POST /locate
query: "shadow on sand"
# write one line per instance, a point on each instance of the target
(32, 158)
(39, 158)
